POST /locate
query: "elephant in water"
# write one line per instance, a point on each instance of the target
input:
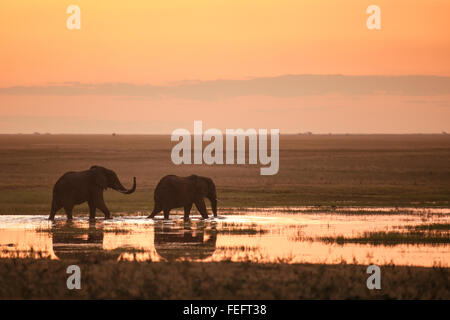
(176, 192)
(86, 186)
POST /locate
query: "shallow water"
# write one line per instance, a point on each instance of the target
(288, 235)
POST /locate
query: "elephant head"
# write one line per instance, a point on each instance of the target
(106, 178)
(206, 187)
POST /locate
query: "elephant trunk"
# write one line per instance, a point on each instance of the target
(214, 206)
(120, 188)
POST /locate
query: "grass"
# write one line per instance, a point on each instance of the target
(337, 170)
(439, 227)
(237, 249)
(222, 280)
(391, 238)
(240, 229)
(327, 172)
(428, 233)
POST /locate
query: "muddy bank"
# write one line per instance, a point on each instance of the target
(46, 279)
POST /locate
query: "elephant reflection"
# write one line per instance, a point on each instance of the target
(70, 241)
(191, 242)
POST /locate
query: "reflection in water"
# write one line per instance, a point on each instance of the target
(195, 242)
(256, 237)
(72, 241)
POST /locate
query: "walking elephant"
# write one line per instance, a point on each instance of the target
(182, 192)
(74, 188)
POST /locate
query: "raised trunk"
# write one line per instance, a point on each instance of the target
(120, 188)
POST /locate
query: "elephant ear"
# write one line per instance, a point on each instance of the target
(201, 185)
(99, 177)
(211, 185)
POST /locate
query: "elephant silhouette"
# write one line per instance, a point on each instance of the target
(72, 242)
(196, 242)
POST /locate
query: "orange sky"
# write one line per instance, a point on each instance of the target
(161, 42)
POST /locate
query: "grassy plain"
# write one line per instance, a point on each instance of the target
(327, 170)
(46, 279)
(315, 170)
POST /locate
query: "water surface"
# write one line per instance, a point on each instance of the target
(290, 235)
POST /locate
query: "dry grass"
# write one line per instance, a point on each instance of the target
(438, 227)
(429, 233)
(392, 238)
(38, 279)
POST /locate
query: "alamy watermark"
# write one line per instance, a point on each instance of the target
(373, 22)
(374, 281)
(74, 280)
(73, 22)
(213, 153)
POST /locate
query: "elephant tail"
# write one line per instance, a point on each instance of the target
(53, 209)
(157, 209)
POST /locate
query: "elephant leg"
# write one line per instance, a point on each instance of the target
(102, 207)
(99, 203)
(91, 211)
(166, 214)
(201, 207)
(68, 210)
(55, 208)
(187, 212)
(156, 210)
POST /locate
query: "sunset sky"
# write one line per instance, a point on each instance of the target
(154, 66)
